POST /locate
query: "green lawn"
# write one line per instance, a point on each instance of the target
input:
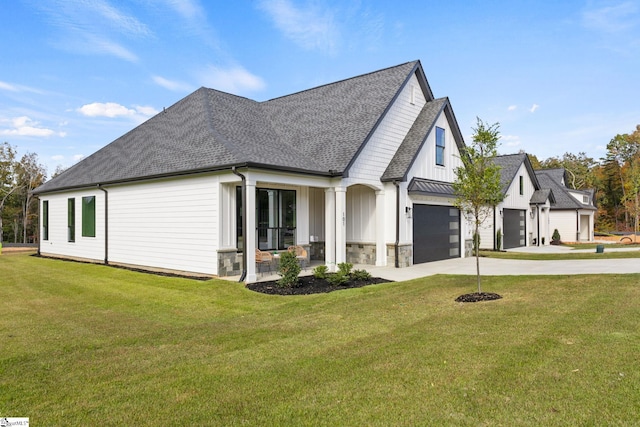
(560, 255)
(92, 345)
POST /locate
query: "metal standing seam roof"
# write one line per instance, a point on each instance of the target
(429, 187)
(317, 131)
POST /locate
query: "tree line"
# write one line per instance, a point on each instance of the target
(18, 207)
(615, 179)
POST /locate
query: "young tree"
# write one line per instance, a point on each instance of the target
(8, 184)
(477, 185)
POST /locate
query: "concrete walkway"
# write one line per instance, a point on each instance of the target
(512, 267)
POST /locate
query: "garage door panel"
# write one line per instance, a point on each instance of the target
(436, 233)
(514, 228)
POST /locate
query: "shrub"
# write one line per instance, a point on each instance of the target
(360, 275)
(337, 279)
(556, 236)
(476, 242)
(289, 270)
(320, 272)
(345, 268)
(499, 239)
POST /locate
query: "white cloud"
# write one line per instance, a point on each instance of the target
(188, 9)
(10, 87)
(234, 80)
(173, 85)
(92, 27)
(78, 157)
(510, 140)
(24, 126)
(309, 27)
(533, 108)
(512, 107)
(57, 157)
(612, 19)
(113, 110)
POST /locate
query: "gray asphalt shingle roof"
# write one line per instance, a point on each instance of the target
(317, 131)
(551, 178)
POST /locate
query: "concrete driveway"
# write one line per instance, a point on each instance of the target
(511, 267)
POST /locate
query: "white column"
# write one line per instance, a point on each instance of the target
(330, 228)
(250, 232)
(381, 246)
(341, 225)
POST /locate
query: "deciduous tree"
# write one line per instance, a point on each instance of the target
(477, 185)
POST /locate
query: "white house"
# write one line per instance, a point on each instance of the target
(358, 171)
(523, 215)
(574, 211)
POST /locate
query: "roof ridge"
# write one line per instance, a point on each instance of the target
(341, 81)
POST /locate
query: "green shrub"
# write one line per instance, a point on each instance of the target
(320, 272)
(345, 268)
(499, 239)
(337, 279)
(476, 242)
(289, 270)
(360, 275)
(556, 236)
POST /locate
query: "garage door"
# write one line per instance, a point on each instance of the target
(514, 228)
(436, 233)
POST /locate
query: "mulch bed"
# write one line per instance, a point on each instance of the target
(478, 296)
(310, 285)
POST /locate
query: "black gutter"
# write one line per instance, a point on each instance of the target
(396, 249)
(106, 224)
(330, 173)
(538, 220)
(244, 222)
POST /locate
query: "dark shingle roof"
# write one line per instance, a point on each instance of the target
(551, 178)
(428, 187)
(509, 166)
(318, 130)
(541, 196)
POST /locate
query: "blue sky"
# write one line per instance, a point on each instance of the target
(559, 76)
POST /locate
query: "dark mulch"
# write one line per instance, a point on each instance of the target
(478, 296)
(310, 285)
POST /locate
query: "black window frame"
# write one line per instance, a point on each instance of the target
(89, 216)
(521, 185)
(45, 220)
(71, 220)
(440, 145)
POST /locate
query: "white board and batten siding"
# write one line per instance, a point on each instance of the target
(361, 214)
(168, 224)
(84, 247)
(375, 157)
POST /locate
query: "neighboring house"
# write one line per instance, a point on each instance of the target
(574, 211)
(357, 171)
(523, 215)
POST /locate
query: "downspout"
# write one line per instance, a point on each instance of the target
(495, 231)
(106, 224)
(538, 221)
(39, 227)
(396, 249)
(244, 222)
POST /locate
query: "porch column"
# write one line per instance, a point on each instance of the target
(341, 225)
(330, 228)
(381, 247)
(250, 232)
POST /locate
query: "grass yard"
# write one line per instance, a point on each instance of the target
(92, 345)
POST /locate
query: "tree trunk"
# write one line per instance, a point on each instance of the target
(476, 241)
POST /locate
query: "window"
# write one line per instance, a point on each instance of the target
(439, 146)
(89, 216)
(45, 220)
(276, 218)
(71, 220)
(521, 185)
(585, 199)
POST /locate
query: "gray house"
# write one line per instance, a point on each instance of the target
(358, 171)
